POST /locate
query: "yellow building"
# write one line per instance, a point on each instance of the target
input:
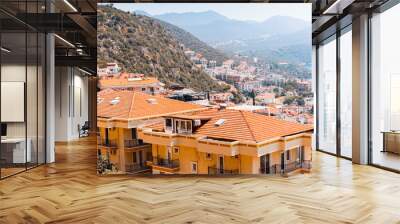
(225, 141)
(119, 114)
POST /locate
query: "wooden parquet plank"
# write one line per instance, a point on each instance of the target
(69, 191)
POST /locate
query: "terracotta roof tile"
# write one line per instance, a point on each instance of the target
(124, 81)
(138, 105)
(248, 126)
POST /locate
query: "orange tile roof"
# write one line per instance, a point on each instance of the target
(123, 81)
(244, 126)
(247, 126)
(138, 105)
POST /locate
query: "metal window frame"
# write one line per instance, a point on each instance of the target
(340, 31)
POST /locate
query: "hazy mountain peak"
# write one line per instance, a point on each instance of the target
(141, 12)
(192, 18)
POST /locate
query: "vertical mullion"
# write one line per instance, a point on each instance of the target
(26, 86)
(369, 89)
(46, 3)
(316, 110)
(338, 98)
(37, 90)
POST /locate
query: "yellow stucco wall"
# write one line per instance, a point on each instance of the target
(246, 164)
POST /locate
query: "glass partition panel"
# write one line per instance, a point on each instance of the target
(327, 96)
(31, 98)
(14, 153)
(41, 98)
(346, 94)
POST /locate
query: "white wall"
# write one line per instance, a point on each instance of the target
(71, 102)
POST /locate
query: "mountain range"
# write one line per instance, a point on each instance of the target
(212, 27)
(275, 34)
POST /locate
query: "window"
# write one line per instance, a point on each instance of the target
(208, 156)
(133, 133)
(176, 150)
(288, 155)
(385, 89)
(346, 94)
(177, 126)
(168, 123)
(327, 96)
(184, 126)
(143, 89)
(194, 167)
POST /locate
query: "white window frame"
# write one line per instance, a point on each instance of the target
(184, 123)
(169, 128)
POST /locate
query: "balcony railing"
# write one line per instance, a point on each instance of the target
(217, 171)
(130, 143)
(288, 167)
(137, 167)
(109, 143)
(168, 163)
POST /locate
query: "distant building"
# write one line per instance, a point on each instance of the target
(111, 70)
(228, 64)
(217, 98)
(265, 98)
(132, 81)
(212, 64)
(250, 85)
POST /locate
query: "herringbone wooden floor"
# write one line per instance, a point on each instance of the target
(70, 192)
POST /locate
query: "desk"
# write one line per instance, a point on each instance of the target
(13, 150)
(391, 141)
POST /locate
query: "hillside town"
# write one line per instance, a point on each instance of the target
(251, 88)
(262, 125)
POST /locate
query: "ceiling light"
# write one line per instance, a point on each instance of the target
(70, 5)
(5, 50)
(64, 40)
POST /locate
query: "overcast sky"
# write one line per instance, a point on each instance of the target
(237, 11)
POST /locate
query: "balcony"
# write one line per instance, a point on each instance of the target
(167, 163)
(131, 143)
(289, 167)
(164, 165)
(216, 171)
(107, 144)
(136, 168)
